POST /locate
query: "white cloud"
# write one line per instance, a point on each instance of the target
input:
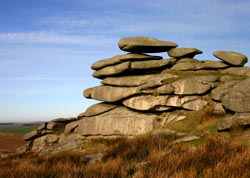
(51, 37)
(28, 78)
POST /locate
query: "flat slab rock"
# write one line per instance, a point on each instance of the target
(244, 71)
(187, 64)
(134, 67)
(122, 58)
(191, 86)
(230, 57)
(119, 121)
(184, 52)
(136, 80)
(145, 45)
(110, 93)
(99, 108)
(239, 119)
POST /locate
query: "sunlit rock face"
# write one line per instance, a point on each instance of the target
(140, 93)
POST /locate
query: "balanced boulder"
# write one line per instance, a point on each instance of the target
(230, 57)
(145, 45)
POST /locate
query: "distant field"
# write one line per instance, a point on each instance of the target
(18, 129)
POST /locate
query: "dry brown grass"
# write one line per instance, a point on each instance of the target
(143, 157)
(10, 141)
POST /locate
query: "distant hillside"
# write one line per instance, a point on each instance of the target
(18, 124)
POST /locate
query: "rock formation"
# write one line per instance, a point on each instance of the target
(140, 93)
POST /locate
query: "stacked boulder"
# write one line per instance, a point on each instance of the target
(140, 93)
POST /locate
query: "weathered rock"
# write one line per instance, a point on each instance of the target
(135, 67)
(123, 58)
(206, 79)
(166, 131)
(210, 64)
(112, 70)
(144, 45)
(218, 109)
(165, 89)
(146, 102)
(244, 71)
(31, 135)
(187, 139)
(237, 98)
(112, 94)
(39, 143)
(156, 81)
(64, 120)
(70, 140)
(195, 105)
(42, 127)
(152, 64)
(174, 101)
(190, 87)
(187, 64)
(70, 127)
(174, 116)
(119, 121)
(183, 52)
(99, 108)
(137, 80)
(221, 90)
(237, 120)
(51, 138)
(127, 81)
(81, 115)
(55, 126)
(186, 99)
(230, 57)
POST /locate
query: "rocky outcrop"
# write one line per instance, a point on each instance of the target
(142, 93)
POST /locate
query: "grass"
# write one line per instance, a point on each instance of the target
(18, 129)
(149, 156)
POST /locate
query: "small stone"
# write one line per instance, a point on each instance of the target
(186, 139)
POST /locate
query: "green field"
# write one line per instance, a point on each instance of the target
(18, 129)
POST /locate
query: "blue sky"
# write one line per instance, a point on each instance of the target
(47, 46)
